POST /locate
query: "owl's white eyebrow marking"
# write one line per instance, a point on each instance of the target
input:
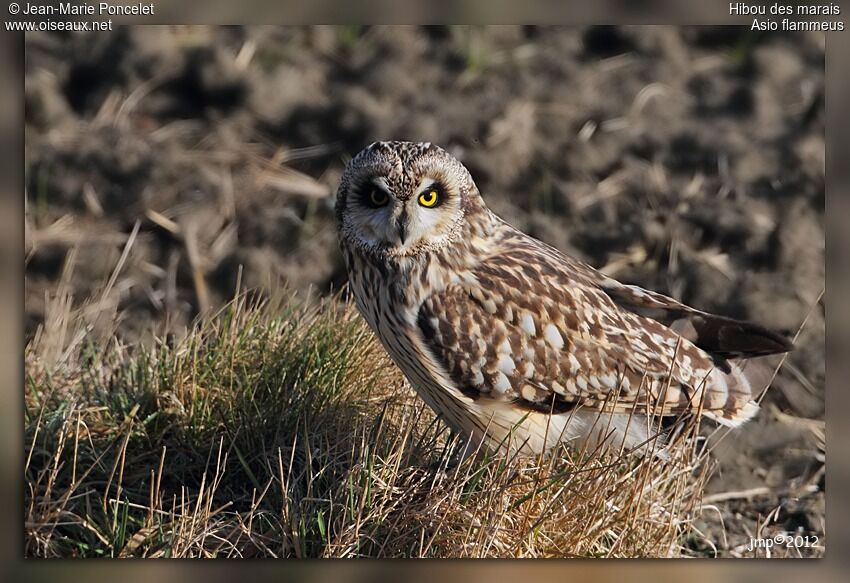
(381, 183)
(425, 183)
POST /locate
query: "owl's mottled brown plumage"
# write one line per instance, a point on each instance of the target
(507, 338)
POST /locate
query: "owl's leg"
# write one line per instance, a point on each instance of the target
(463, 453)
(471, 446)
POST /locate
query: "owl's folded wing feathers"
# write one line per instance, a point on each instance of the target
(538, 328)
(527, 332)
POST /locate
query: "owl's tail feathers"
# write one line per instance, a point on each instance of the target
(732, 395)
(729, 338)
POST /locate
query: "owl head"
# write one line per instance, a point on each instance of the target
(404, 198)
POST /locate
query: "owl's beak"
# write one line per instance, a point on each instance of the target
(401, 227)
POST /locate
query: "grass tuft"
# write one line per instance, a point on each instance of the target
(281, 429)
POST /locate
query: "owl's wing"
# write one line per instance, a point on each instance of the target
(550, 347)
(721, 336)
(528, 327)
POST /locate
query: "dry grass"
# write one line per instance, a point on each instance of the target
(280, 429)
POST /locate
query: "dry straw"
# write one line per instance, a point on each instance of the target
(281, 429)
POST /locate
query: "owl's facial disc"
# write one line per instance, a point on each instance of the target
(399, 199)
(400, 222)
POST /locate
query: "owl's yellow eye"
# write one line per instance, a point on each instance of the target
(376, 197)
(430, 198)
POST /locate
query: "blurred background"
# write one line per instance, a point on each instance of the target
(685, 159)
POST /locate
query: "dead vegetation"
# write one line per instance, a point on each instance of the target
(280, 429)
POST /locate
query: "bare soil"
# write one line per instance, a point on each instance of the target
(686, 160)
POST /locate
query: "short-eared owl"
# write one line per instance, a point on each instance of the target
(508, 339)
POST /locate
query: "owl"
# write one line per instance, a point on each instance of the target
(513, 343)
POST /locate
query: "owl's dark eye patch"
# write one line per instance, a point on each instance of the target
(373, 196)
